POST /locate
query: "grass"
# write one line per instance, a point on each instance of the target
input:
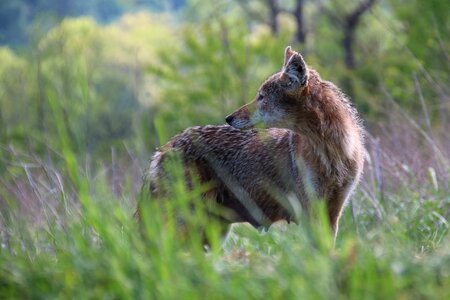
(103, 254)
(71, 235)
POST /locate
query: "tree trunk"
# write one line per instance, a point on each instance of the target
(347, 44)
(350, 24)
(274, 10)
(300, 35)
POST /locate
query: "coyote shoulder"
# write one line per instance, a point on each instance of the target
(311, 147)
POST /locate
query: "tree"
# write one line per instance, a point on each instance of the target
(274, 9)
(94, 74)
(348, 23)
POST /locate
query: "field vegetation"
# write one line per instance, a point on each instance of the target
(89, 90)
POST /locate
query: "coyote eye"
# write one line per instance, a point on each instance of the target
(260, 97)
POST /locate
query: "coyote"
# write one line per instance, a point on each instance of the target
(300, 139)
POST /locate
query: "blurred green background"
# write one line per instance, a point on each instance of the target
(115, 66)
(120, 77)
(89, 89)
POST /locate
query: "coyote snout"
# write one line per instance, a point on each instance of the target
(278, 102)
(241, 119)
(310, 145)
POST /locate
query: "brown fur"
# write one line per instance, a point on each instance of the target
(313, 148)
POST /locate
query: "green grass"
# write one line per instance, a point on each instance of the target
(86, 245)
(103, 255)
(98, 251)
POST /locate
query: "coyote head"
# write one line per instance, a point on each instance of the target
(279, 100)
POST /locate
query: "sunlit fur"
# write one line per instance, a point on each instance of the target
(313, 148)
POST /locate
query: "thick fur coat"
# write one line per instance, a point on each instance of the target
(312, 148)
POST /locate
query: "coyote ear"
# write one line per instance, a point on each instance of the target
(295, 68)
(287, 54)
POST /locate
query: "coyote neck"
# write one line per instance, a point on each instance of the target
(333, 150)
(331, 141)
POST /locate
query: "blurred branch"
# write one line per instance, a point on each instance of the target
(354, 16)
(297, 13)
(274, 10)
(254, 14)
(299, 18)
(349, 24)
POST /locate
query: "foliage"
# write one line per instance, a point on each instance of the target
(79, 104)
(13, 73)
(97, 79)
(426, 44)
(19, 18)
(96, 250)
(229, 77)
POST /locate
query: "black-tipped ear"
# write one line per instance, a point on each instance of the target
(296, 68)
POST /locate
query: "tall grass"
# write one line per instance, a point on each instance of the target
(69, 233)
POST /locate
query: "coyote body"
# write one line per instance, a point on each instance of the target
(312, 147)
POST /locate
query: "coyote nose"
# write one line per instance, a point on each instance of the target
(229, 119)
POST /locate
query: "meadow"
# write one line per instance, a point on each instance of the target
(79, 240)
(84, 105)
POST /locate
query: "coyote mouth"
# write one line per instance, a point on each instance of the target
(238, 123)
(242, 125)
